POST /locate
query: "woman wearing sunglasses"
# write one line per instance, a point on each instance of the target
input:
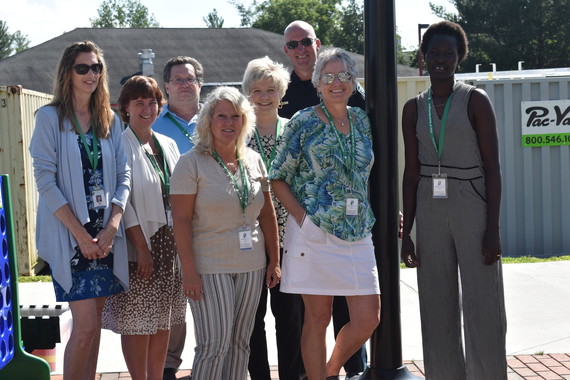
(83, 180)
(320, 174)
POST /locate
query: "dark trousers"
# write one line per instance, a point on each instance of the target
(288, 312)
(357, 362)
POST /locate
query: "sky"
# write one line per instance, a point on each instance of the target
(42, 20)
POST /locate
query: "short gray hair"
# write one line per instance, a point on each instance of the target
(264, 68)
(334, 54)
(203, 138)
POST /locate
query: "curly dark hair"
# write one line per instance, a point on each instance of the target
(447, 28)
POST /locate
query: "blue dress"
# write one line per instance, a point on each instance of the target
(91, 278)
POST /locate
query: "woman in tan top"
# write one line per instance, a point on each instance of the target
(226, 233)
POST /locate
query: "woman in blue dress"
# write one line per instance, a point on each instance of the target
(83, 179)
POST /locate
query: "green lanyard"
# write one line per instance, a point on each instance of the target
(349, 156)
(93, 155)
(164, 177)
(242, 195)
(182, 129)
(438, 147)
(268, 160)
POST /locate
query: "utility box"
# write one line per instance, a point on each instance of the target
(17, 109)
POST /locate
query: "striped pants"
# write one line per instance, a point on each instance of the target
(223, 322)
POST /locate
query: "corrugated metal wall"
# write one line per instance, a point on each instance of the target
(17, 107)
(535, 218)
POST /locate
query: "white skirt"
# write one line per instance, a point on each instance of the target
(318, 263)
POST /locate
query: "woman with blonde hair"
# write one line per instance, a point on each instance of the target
(83, 181)
(226, 234)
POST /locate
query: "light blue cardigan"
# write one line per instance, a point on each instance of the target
(59, 178)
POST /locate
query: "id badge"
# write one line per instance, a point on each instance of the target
(351, 209)
(98, 198)
(245, 242)
(439, 185)
(169, 221)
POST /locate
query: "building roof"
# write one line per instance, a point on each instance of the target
(224, 54)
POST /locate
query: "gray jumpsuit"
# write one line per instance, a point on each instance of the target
(452, 278)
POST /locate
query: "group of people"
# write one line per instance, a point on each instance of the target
(263, 191)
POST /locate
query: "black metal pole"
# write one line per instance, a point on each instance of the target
(381, 86)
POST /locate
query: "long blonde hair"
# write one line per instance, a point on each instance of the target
(203, 138)
(63, 91)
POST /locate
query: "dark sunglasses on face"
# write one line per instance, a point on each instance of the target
(343, 76)
(82, 68)
(305, 42)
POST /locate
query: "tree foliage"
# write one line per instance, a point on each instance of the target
(507, 31)
(213, 20)
(336, 22)
(11, 43)
(123, 14)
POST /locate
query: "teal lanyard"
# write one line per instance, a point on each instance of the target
(93, 155)
(348, 155)
(242, 194)
(164, 177)
(268, 160)
(182, 129)
(438, 147)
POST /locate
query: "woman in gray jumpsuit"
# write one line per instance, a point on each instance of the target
(452, 188)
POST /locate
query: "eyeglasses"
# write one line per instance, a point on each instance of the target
(82, 68)
(343, 76)
(181, 81)
(306, 42)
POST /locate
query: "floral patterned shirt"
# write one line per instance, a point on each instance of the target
(310, 160)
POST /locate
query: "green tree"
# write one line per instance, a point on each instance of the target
(275, 15)
(123, 14)
(11, 43)
(336, 22)
(21, 42)
(213, 20)
(507, 31)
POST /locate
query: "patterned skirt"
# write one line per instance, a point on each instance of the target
(154, 303)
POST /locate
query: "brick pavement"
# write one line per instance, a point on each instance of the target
(536, 367)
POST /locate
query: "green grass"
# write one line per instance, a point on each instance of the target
(525, 260)
(34, 279)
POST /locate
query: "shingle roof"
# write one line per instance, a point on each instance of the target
(223, 52)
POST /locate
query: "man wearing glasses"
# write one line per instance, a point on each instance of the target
(302, 47)
(183, 78)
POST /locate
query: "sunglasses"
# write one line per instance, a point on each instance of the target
(82, 68)
(343, 76)
(291, 45)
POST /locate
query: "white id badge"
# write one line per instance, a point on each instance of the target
(245, 242)
(351, 209)
(439, 182)
(169, 217)
(98, 198)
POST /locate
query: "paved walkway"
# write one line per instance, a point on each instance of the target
(536, 298)
(547, 366)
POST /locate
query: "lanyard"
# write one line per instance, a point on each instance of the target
(268, 160)
(242, 195)
(349, 156)
(182, 129)
(438, 147)
(164, 177)
(93, 155)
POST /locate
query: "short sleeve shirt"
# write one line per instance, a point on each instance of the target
(218, 215)
(309, 159)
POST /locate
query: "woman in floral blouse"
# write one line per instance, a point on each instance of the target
(320, 174)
